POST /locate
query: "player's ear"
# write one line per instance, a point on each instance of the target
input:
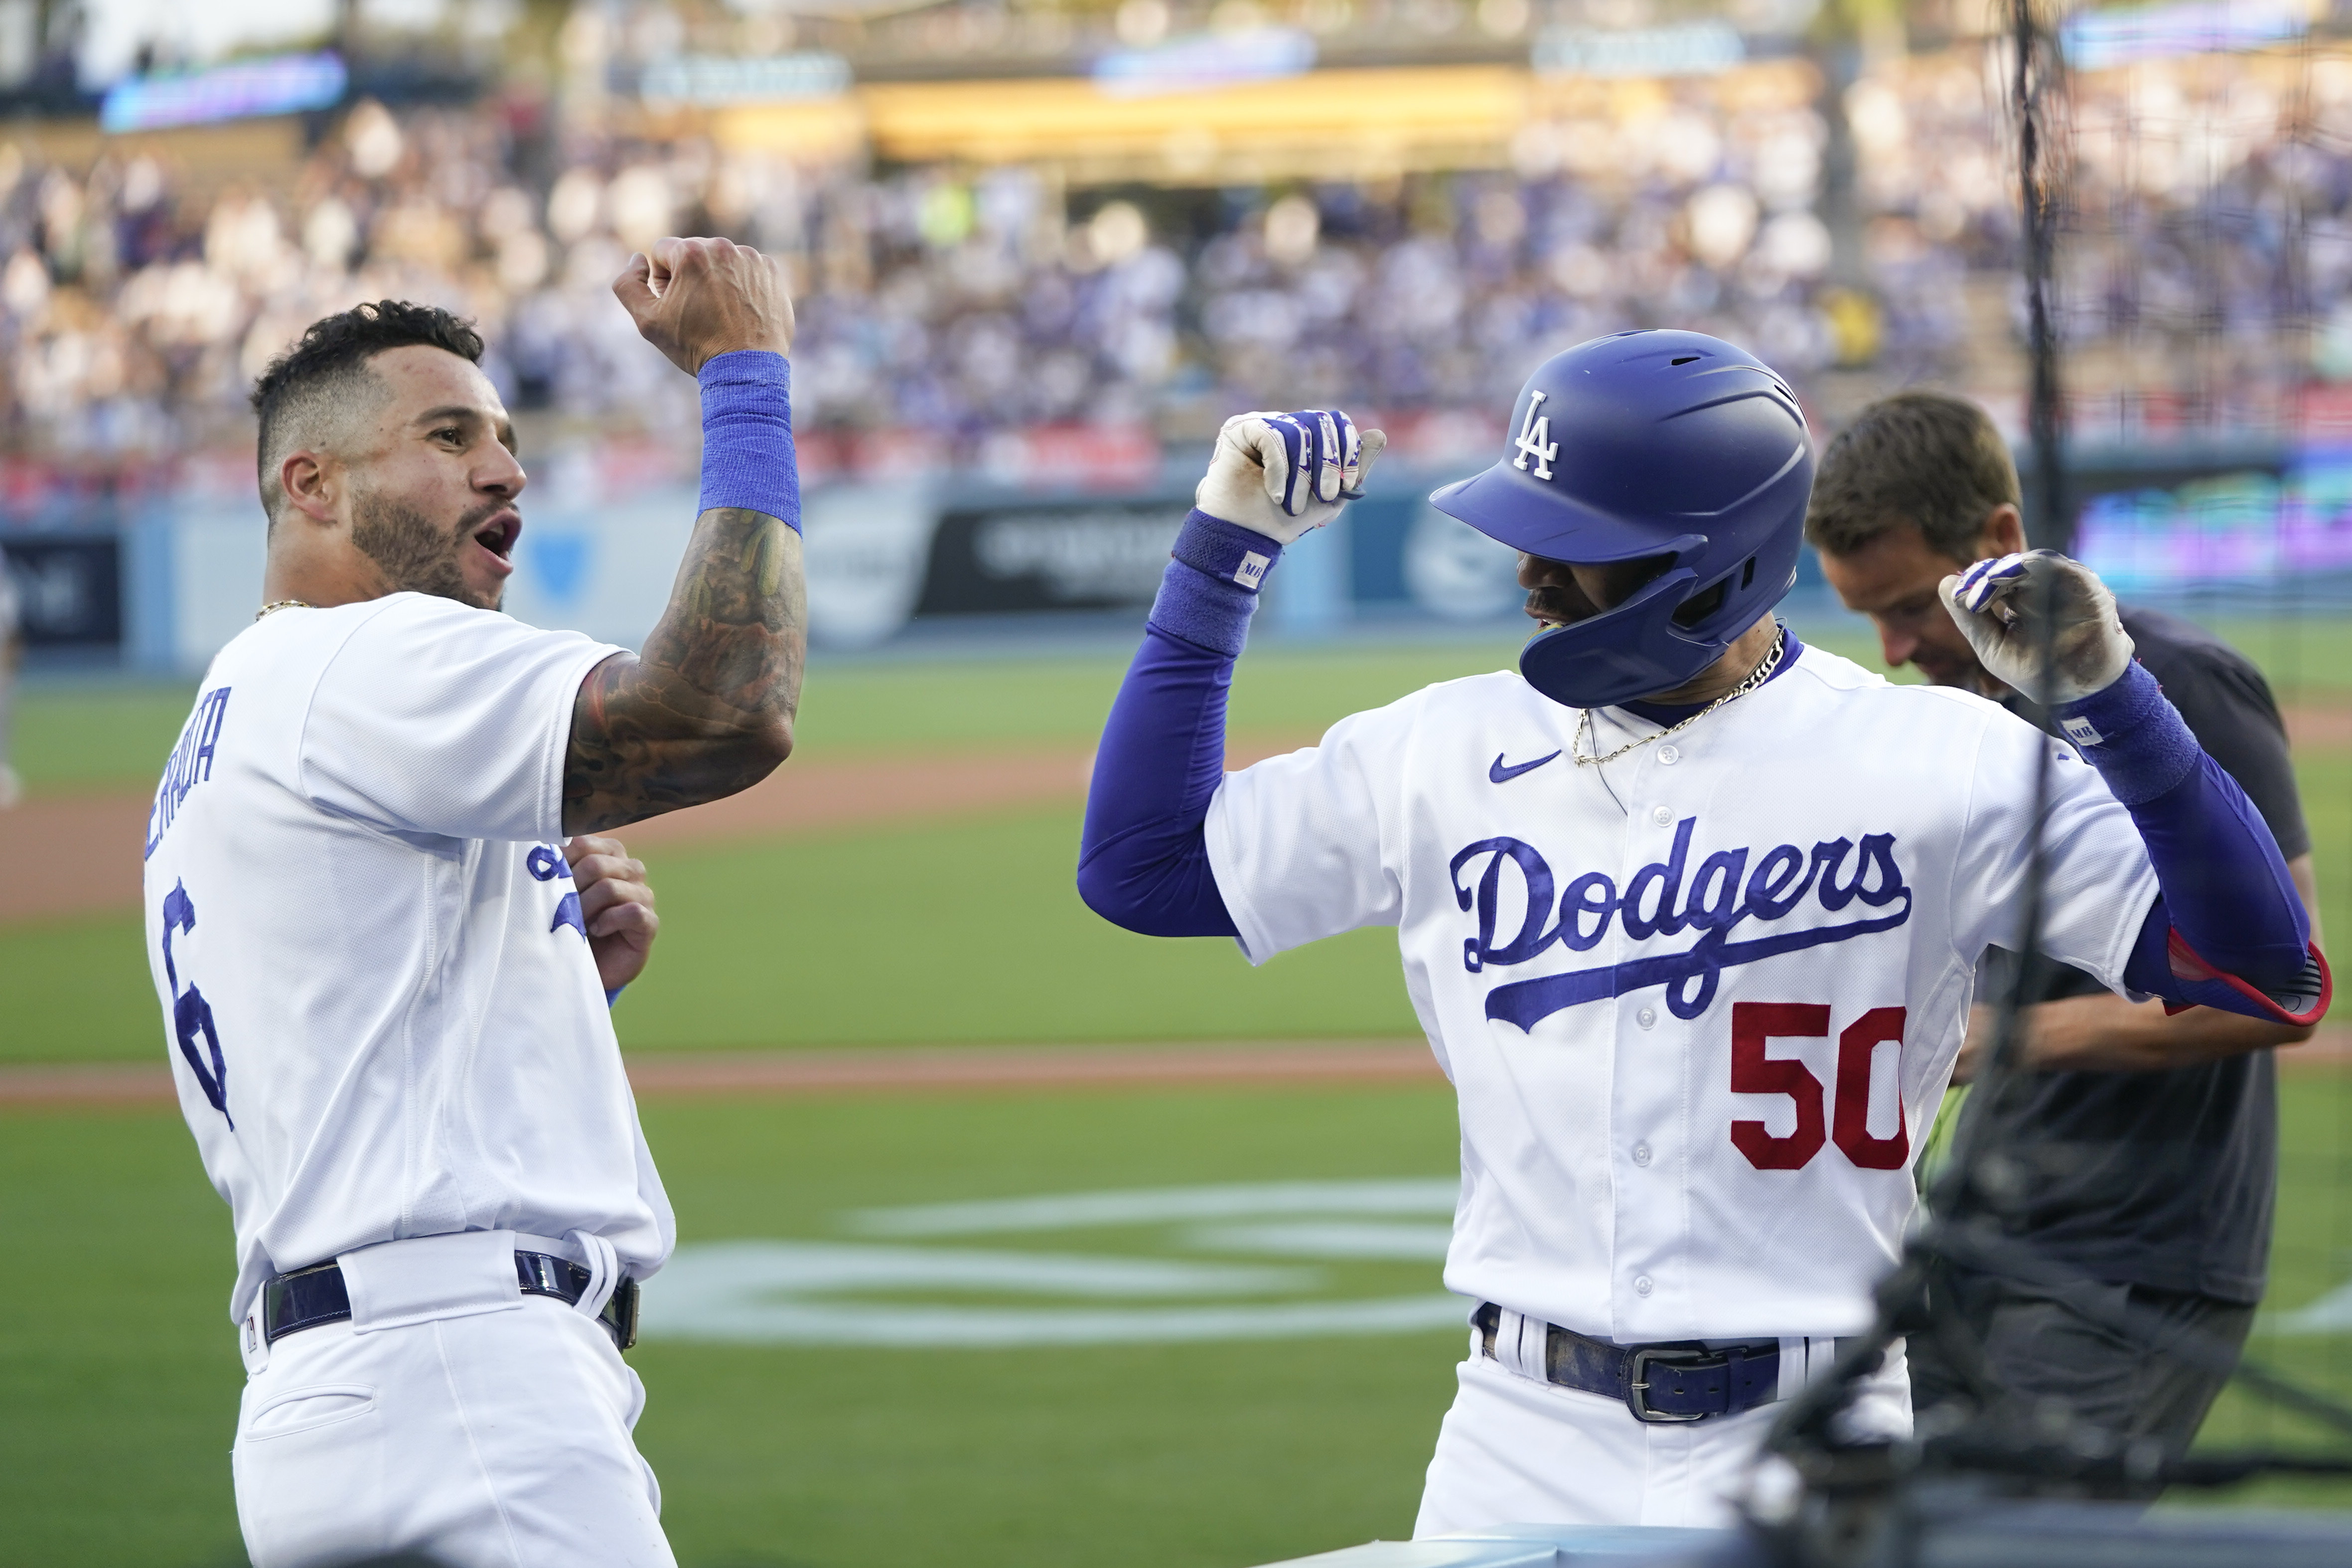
(309, 485)
(2003, 533)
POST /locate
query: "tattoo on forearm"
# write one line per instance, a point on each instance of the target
(706, 710)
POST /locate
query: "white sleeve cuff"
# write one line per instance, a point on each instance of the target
(1225, 859)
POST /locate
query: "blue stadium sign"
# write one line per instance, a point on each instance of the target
(1695, 49)
(281, 84)
(714, 79)
(2095, 40)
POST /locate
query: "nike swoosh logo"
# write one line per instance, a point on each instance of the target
(1498, 774)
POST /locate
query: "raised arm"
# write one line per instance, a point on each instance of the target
(2229, 929)
(707, 709)
(1143, 862)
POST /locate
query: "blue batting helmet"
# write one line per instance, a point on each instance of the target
(1672, 444)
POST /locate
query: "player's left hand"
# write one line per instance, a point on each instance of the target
(1281, 474)
(618, 906)
(1995, 603)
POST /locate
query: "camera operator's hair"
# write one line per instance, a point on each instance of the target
(1926, 458)
(324, 378)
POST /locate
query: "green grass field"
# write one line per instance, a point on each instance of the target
(805, 940)
(1216, 1454)
(2311, 1255)
(1187, 1456)
(1209, 1455)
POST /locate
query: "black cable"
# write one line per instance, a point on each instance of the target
(1904, 1296)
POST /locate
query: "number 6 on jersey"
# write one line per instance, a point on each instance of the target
(191, 1014)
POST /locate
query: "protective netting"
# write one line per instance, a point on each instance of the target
(2198, 167)
(2164, 194)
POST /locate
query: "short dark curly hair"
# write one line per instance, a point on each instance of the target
(326, 370)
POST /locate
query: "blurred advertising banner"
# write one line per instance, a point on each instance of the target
(68, 589)
(2097, 40)
(1028, 555)
(241, 89)
(2237, 527)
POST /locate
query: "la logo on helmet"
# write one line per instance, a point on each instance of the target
(1535, 439)
(1650, 445)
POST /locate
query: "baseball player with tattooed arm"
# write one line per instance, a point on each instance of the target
(1690, 912)
(386, 941)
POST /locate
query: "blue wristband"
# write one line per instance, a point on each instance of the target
(614, 995)
(2133, 734)
(1209, 591)
(747, 435)
(1226, 551)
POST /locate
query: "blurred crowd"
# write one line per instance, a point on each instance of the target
(134, 311)
(135, 316)
(1447, 296)
(2204, 239)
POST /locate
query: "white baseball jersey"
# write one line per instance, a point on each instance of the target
(1698, 1005)
(378, 998)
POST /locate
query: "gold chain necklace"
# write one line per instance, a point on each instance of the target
(283, 605)
(1756, 677)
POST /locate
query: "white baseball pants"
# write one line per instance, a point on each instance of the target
(496, 1438)
(1516, 1450)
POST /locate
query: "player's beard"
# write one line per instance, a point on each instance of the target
(416, 555)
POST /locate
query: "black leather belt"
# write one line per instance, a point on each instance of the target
(308, 1298)
(1679, 1381)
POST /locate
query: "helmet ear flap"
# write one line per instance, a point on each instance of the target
(1628, 651)
(1714, 595)
(1706, 602)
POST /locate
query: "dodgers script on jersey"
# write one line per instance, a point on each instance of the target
(1698, 1005)
(381, 1012)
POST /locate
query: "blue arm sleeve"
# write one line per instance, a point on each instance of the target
(1143, 861)
(2230, 930)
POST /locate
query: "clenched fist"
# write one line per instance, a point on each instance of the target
(1281, 474)
(1998, 605)
(697, 299)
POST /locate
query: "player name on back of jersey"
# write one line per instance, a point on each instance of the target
(1723, 893)
(191, 763)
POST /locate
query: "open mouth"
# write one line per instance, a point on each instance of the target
(1550, 609)
(497, 535)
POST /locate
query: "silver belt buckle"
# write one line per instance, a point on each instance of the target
(1637, 1385)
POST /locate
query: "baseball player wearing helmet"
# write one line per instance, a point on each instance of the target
(385, 944)
(1690, 913)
